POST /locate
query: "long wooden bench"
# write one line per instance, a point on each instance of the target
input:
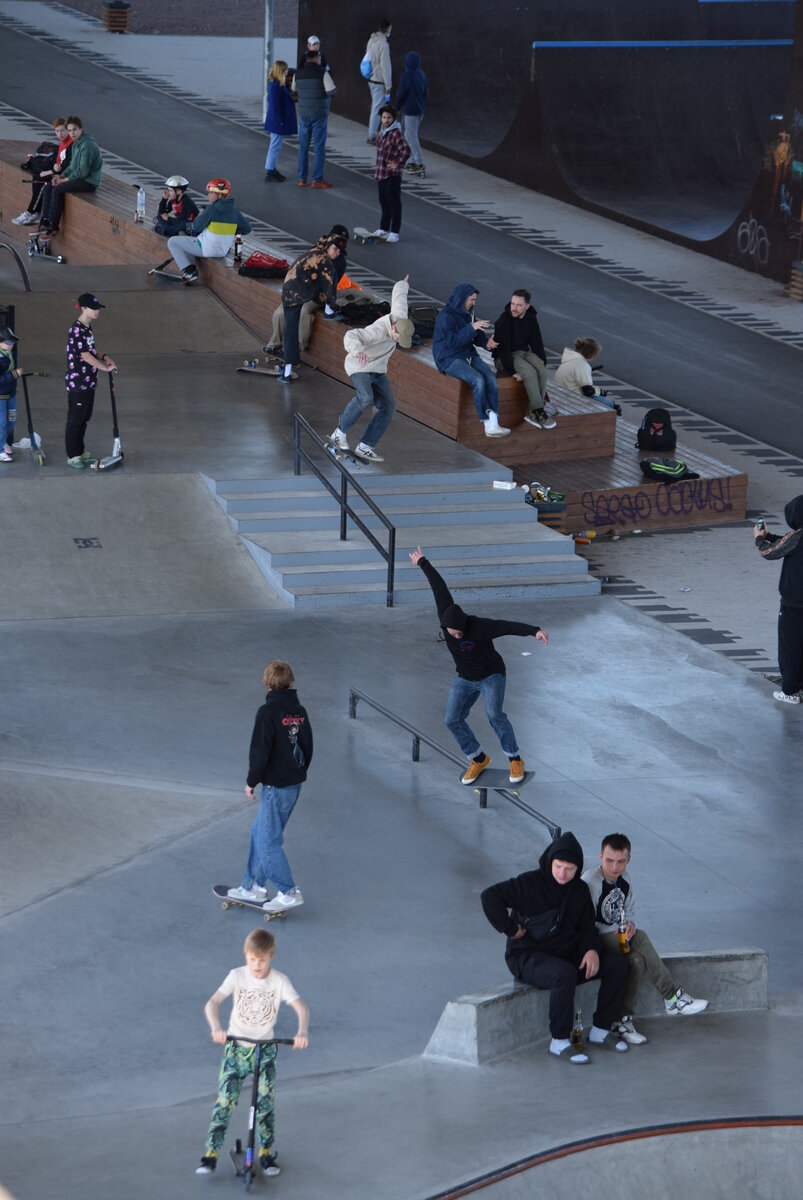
(589, 455)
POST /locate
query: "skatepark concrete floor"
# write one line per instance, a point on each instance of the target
(133, 671)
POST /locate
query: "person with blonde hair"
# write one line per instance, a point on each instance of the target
(281, 751)
(280, 121)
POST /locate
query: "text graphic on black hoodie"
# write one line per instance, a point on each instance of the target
(280, 724)
(788, 548)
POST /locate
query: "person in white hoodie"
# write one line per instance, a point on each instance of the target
(575, 371)
(368, 353)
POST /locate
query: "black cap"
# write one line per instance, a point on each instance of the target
(89, 300)
(7, 334)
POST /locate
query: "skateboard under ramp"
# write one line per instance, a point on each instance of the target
(759, 1158)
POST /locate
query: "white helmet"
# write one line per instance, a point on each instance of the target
(176, 181)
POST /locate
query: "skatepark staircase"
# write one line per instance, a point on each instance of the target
(487, 542)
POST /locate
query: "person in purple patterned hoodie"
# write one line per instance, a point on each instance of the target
(83, 365)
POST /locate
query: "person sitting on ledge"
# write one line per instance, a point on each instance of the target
(211, 234)
(552, 942)
(177, 209)
(81, 174)
(454, 349)
(574, 371)
(614, 906)
(520, 352)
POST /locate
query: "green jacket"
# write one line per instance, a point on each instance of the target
(86, 161)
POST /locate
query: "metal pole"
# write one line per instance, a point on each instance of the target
(267, 55)
(344, 499)
(296, 447)
(416, 749)
(391, 565)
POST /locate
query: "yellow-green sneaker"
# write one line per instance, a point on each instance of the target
(77, 462)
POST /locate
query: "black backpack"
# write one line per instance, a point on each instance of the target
(656, 432)
(666, 469)
(423, 317)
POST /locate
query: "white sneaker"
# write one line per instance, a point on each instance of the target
(785, 699)
(284, 900)
(627, 1030)
(492, 426)
(31, 219)
(367, 453)
(6, 457)
(339, 438)
(21, 219)
(260, 892)
(392, 237)
(683, 1003)
(241, 893)
(380, 233)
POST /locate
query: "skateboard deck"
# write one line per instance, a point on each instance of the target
(365, 236)
(496, 779)
(273, 366)
(417, 172)
(221, 891)
(344, 455)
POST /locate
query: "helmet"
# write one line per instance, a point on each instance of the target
(177, 181)
(221, 186)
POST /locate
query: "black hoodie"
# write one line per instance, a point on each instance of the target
(790, 549)
(475, 656)
(537, 892)
(517, 333)
(279, 724)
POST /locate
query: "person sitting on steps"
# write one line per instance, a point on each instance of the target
(454, 349)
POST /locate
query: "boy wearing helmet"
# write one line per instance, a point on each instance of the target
(211, 234)
(177, 209)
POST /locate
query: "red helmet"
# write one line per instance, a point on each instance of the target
(221, 186)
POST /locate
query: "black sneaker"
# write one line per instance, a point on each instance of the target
(276, 176)
(208, 1164)
(269, 1165)
(190, 274)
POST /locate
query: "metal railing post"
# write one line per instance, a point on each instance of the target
(391, 568)
(296, 448)
(344, 499)
(416, 749)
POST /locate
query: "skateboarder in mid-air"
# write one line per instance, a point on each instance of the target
(480, 671)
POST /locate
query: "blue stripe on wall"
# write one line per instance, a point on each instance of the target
(705, 43)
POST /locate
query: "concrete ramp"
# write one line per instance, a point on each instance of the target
(732, 1159)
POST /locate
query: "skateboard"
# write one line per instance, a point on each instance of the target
(273, 366)
(495, 780)
(39, 247)
(343, 455)
(221, 891)
(365, 237)
(163, 274)
(418, 172)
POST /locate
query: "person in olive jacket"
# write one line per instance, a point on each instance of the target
(82, 174)
(552, 942)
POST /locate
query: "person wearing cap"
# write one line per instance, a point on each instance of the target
(211, 234)
(310, 277)
(9, 374)
(177, 209)
(314, 44)
(310, 307)
(83, 365)
(480, 672)
(314, 88)
(552, 943)
(368, 353)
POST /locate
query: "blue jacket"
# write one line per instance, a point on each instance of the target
(281, 116)
(411, 95)
(455, 336)
(8, 375)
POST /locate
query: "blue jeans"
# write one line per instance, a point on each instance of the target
(462, 697)
(8, 418)
(267, 860)
(370, 387)
(315, 128)
(276, 140)
(482, 381)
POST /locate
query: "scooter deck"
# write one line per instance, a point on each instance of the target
(163, 274)
(39, 247)
(221, 891)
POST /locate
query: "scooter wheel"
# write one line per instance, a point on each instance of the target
(60, 258)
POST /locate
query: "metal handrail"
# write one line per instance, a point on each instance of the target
(20, 264)
(418, 737)
(342, 497)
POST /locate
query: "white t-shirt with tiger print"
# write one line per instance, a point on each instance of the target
(256, 1001)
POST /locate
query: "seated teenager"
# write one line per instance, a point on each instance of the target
(176, 209)
(81, 174)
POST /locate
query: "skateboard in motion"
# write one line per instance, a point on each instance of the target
(343, 455)
(496, 780)
(39, 247)
(221, 890)
(165, 274)
(366, 237)
(273, 366)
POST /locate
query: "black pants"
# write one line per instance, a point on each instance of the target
(390, 202)
(790, 648)
(79, 412)
(53, 199)
(561, 977)
(292, 350)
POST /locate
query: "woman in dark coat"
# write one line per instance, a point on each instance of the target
(281, 120)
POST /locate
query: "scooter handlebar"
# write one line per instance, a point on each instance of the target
(261, 1041)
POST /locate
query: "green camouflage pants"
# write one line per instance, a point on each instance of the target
(237, 1065)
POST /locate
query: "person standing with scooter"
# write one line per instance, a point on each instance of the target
(83, 365)
(9, 374)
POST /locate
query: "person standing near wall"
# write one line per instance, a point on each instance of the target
(381, 77)
(411, 100)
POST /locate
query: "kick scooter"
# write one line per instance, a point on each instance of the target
(244, 1166)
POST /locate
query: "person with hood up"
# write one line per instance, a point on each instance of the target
(575, 371)
(211, 234)
(454, 349)
(280, 755)
(480, 672)
(411, 100)
(552, 942)
(788, 547)
(368, 353)
(377, 49)
(392, 153)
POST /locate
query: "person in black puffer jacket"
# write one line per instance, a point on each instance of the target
(567, 952)
(789, 548)
(281, 752)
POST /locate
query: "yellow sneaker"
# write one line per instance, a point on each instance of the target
(475, 769)
(516, 770)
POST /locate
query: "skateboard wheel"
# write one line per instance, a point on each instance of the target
(225, 905)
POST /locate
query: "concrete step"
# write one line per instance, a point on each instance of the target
(459, 574)
(237, 503)
(329, 517)
(314, 548)
(479, 476)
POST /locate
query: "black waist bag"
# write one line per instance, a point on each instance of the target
(666, 469)
(423, 318)
(545, 925)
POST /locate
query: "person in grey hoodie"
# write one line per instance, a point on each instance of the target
(381, 78)
(368, 353)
